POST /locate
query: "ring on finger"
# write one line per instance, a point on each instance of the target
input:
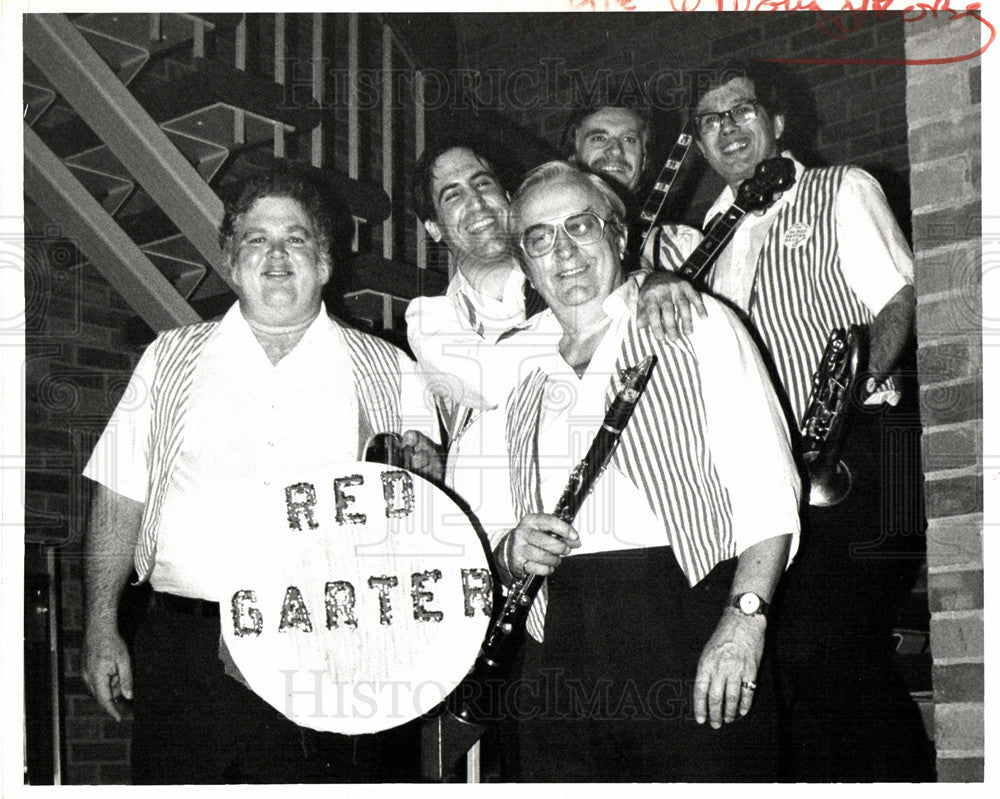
(749, 685)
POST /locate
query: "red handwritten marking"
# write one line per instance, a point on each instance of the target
(940, 6)
(879, 7)
(606, 5)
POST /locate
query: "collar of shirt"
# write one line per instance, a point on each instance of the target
(495, 316)
(546, 332)
(728, 196)
(236, 336)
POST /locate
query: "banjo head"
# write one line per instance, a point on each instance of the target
(357, 597)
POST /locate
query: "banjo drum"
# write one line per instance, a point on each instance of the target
(357, 597)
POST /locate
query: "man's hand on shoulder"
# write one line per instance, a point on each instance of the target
(665, 303)
(106, 667)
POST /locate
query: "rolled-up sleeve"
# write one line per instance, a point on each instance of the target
(747, 431)
(449, 351)
(120, 460)
(874, 256)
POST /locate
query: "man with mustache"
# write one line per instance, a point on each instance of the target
(216, 412)
(613, 142)
(829, 254)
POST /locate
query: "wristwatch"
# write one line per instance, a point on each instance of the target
(749, 604)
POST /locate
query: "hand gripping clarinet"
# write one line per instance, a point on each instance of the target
(503, 637)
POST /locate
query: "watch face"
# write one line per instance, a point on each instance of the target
(749, 603)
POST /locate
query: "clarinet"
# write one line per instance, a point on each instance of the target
(504, 635)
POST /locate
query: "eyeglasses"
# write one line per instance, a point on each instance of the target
(585, 227)
(739, 115)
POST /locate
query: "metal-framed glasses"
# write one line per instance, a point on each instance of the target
(584, 227)
(740, 114)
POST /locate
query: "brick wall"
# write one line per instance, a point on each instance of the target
(943, 108)
(78, 360)
(860, 110)
(77, 366)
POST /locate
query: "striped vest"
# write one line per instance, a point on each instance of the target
(377, 381)
(664, 451)
(800, 293)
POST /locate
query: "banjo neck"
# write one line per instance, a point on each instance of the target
(757, 193)
(657, 198)
(716, 238)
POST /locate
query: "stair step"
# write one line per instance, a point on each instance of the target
(370, 271)
(207, 157)
(104, 176)
(925, 703)
(162, 101)
(211, 292)
(217, 124)
(179, 262)
(37, 100)
(363, 200)
(258, 95)
(125, 41)
(124, 59)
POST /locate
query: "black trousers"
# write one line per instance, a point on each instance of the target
(845, 714)
(194, 724)
(608, 696)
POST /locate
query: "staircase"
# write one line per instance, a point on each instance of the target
(138, 126)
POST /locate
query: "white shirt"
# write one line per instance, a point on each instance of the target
(874, 256)
(451, 337)
(746, 432)
(250, 425)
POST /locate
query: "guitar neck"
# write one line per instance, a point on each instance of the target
(661, 187)
(715, 240)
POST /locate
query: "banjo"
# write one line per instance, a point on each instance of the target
(357, 597)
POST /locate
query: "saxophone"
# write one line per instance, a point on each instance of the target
(823, 423)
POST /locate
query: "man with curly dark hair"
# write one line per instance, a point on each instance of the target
(215, 412)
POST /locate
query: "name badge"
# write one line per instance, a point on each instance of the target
(796, 235)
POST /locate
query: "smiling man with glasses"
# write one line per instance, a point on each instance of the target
(829, 254)
(643, 659)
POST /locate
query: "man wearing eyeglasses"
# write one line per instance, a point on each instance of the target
(461, 203)
(643, 659)
(827, 254)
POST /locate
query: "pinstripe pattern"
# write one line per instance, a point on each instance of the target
(800, 292)
(176, 355)
(377, 381)
(524, 411)
(666, 253)
(524, 414)
(663, 450)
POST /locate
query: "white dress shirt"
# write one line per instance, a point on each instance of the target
(451, 336)
(250, 427)
(874, 256)
(746, 432)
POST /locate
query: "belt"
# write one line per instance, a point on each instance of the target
(187, 605)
